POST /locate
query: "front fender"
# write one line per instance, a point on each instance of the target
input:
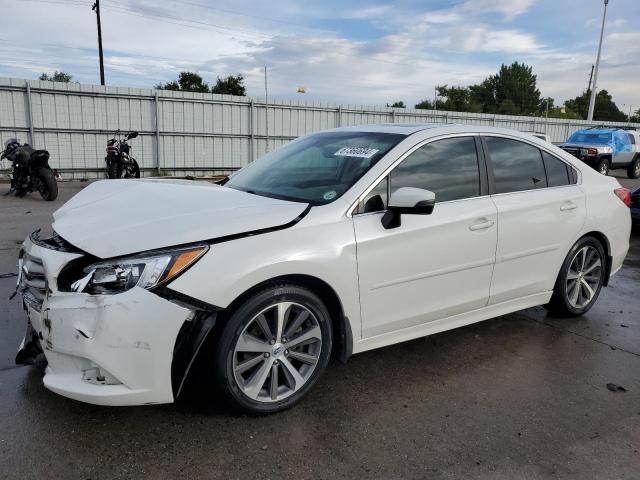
(326, 252)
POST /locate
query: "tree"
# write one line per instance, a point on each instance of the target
(511, 91)
(425, 105)
(399, 104)
(58, 76)
(635, 118)
(564, 112)
(605, 108)
(187, 82)
(456, 99)
(231, 85)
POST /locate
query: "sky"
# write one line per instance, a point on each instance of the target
(356, 52)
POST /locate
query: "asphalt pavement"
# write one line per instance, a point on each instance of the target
(522, 396)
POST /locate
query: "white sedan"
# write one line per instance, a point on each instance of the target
(337, 243)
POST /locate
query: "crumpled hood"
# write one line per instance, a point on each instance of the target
(110, 218)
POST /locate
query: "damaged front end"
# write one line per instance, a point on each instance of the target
(112, 332)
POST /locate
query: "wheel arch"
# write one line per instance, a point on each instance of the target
(604, 241)
(342, 332)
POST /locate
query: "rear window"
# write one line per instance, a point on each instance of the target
(595, 138)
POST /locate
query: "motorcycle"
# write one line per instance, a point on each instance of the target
(30, 170)
(120, 163)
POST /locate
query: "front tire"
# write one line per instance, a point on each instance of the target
(273, 349)
(603, 166)
(633, 170)
(132, 170)
(114, 170)
(580, 279)
(48, 187)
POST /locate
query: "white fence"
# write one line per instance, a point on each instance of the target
(192, 133)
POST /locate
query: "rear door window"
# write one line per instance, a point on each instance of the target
(557, 172)
(517, 166)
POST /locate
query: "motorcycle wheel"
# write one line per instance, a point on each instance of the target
(47, 185)
(114, 170)
(132, 170)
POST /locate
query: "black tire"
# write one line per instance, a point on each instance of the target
(48, 187)
(604, 166)
(633, 170)
(132, 170)
(560, 304)
(234, 326)
(114, 170)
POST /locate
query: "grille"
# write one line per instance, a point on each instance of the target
(53, 242)
(573, 151)
(33, 283)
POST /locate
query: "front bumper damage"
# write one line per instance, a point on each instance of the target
(102, 349)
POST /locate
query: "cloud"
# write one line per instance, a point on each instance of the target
(508, 8)
(400, 52)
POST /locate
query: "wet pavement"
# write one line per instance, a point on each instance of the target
(519, 396)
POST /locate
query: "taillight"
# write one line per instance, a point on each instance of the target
(592, 151)
(623, 194)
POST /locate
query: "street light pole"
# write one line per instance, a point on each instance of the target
(592, 100)
(96, 8)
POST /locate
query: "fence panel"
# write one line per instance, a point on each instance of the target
(196, 133)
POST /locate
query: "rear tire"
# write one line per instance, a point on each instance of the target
(580, 279)
(262, 368)
(603, 167)
(633, 170)
(48, 186)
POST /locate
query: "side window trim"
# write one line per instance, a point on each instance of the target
(574, 177)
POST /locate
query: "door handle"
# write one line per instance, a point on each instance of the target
(568, 206)
(481, 226)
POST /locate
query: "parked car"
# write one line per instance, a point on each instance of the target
(337, 243)
(635, 207)
(606, 148)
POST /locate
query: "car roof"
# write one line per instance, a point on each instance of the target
(402, 128)
(431, 129)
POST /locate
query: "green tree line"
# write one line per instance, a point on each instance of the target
(511, 91)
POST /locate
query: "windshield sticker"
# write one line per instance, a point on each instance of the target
(359, 152)
(329, 195)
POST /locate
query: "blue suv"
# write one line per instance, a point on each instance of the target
(606, 148)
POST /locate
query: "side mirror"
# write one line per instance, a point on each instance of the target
(408, 201)
(132, 135)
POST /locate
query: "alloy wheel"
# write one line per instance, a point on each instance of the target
(584, 276)
(277, 352)
(636, 169)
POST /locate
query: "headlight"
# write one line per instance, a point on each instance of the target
(148, 271)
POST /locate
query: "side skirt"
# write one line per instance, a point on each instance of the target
(452, 322)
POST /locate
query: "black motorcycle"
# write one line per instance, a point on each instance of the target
(30, 170)
(120, 162)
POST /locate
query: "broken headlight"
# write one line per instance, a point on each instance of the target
(121, 274)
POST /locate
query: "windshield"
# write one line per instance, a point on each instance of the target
(597, 138)
(316, 169)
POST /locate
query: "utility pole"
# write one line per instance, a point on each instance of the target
(547, 114)
(266, 107)
(96, 8)
(592, 101)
